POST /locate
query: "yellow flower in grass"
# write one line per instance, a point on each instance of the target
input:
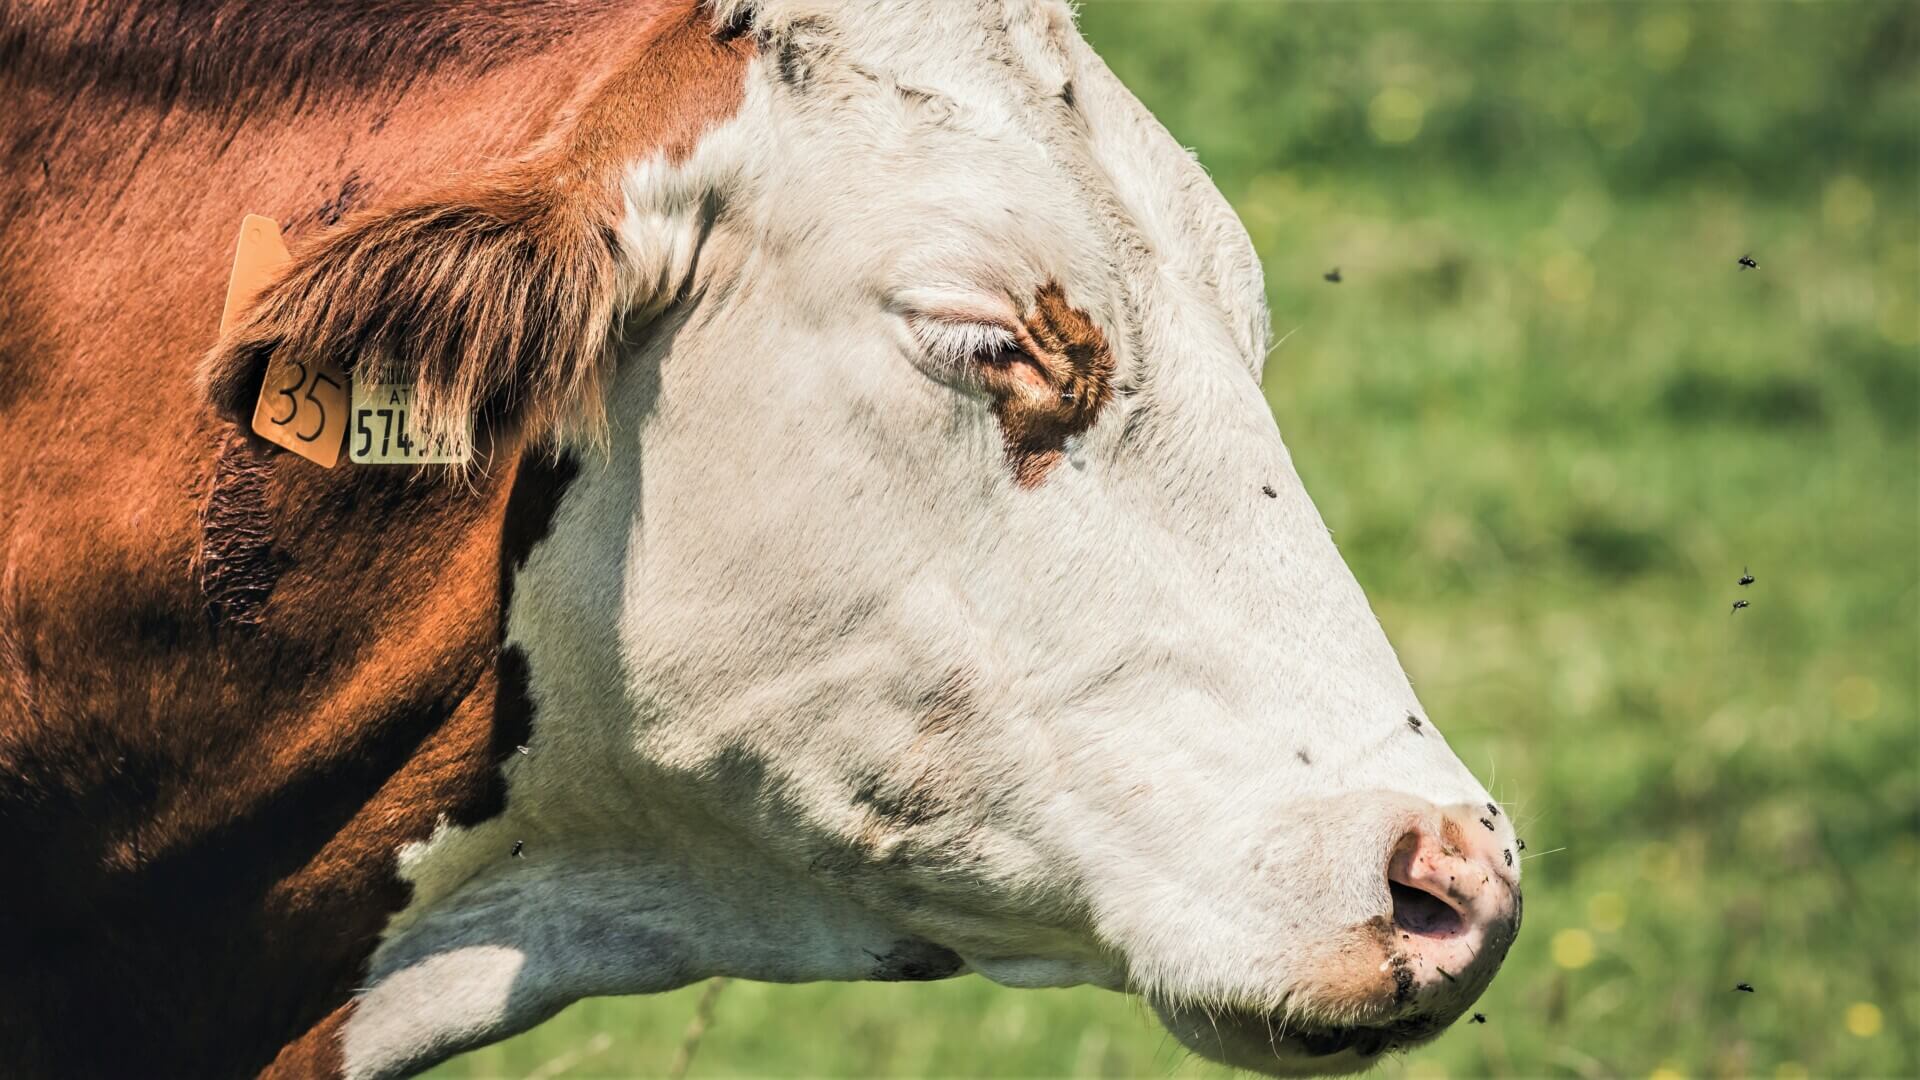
(1607, 911)
(1863, 1019)
(1666, 1072)
(1396, 115)
(1573, 949)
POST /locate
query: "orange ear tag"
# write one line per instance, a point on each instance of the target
(302, 406)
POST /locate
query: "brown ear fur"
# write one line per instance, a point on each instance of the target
(499, 300)
(497, 303)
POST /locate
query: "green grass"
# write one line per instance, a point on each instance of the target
(1549, 422)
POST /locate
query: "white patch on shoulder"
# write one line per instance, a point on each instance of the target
(452, 997)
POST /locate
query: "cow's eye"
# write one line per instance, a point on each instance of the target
(961, 350)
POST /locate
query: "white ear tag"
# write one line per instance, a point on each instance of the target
(382, 430)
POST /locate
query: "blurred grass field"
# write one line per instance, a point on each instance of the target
(1550, 421)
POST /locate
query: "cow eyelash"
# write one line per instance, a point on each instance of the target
(952, 343)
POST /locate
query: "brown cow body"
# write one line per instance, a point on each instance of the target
(233, 683)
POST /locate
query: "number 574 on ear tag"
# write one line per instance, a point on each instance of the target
(386, 431)
(303, 404)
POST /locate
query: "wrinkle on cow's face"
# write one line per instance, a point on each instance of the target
(945, 574)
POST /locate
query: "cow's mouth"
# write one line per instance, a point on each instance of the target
(1363, 1042)
(1281, 1047)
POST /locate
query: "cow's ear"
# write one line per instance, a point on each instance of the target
(498, 304)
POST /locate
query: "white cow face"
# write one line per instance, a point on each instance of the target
(946, 596)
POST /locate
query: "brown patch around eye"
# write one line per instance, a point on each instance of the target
(1054, 388)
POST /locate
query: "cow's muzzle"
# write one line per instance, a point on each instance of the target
(1401, 977)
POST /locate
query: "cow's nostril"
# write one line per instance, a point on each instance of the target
(1418, 911)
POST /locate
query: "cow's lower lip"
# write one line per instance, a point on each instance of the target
(1325, 1043)
(1366, 1042)
(1279, 1045)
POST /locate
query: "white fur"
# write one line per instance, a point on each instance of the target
(795, 538)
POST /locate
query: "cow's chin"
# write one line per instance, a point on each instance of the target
(1277, 1046)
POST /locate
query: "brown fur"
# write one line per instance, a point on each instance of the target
(319, 1052)
(233, 683)
(1054, 389)
(235, 54)
(1354, 974)
(497, 298)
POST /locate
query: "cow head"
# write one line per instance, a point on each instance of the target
(932, 592)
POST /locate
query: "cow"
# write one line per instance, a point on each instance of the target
(871, 556)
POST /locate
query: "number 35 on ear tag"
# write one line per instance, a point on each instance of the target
(303, 405)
